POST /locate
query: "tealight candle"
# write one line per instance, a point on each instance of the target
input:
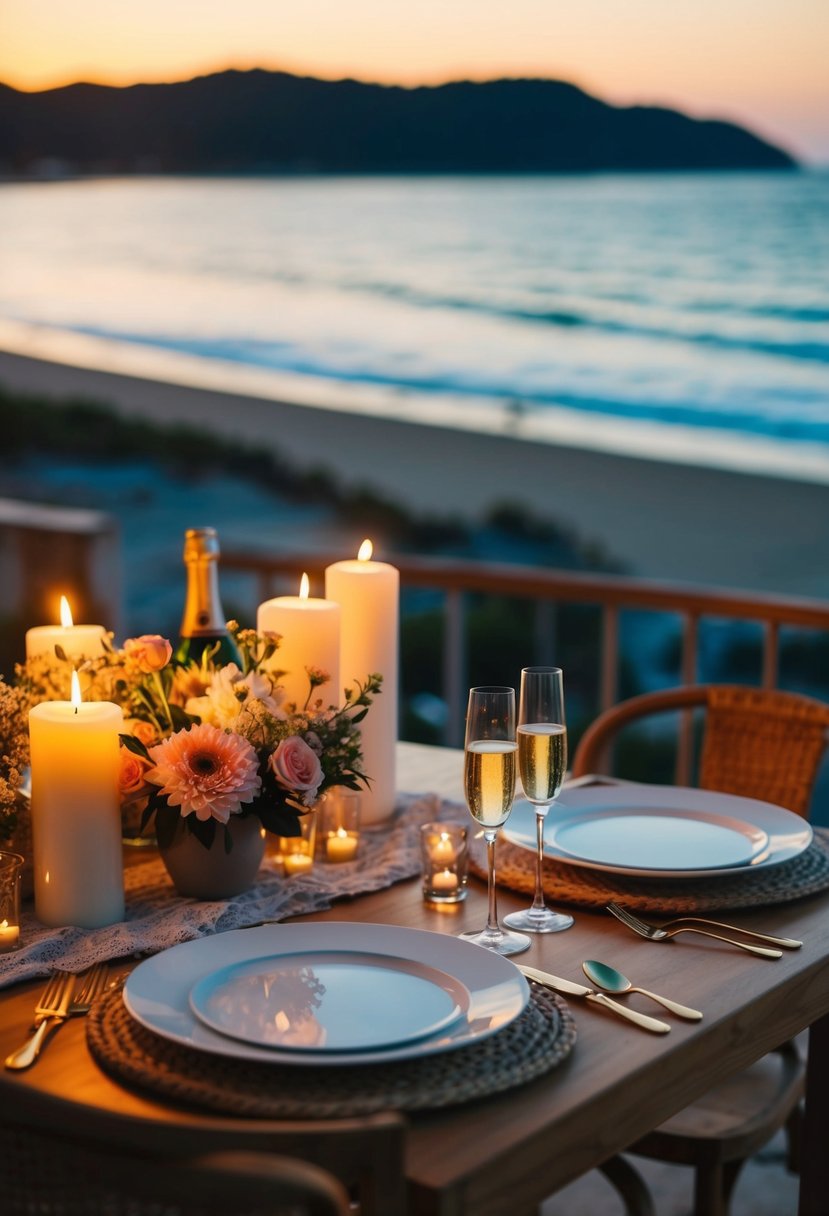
(11, 866)
(297, 863)
(297, 852)
(341, 845)
(444, 861)
(76, 817)
(443, 849)
(339, 823)
(76, 641)
(9, 936)
(368, 593)
(310, 630)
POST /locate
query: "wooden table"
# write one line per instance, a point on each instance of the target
(505, 1154)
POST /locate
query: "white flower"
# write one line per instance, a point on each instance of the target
(229, 690)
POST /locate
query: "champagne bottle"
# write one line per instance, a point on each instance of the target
(203, 624)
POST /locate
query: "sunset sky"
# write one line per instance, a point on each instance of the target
(759, 62)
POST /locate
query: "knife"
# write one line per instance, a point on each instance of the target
(569, 988)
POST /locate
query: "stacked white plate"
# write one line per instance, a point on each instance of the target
(326, 993)
(661, 831)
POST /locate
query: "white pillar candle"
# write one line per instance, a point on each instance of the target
(77, 641)
(76, 816)
(310, 630)
(369, 593)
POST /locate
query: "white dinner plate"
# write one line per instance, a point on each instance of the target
(157, 993)
(329, 1001)
(661, 831)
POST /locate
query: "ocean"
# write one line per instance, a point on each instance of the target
(660, 303)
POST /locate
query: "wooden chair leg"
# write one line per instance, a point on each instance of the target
(713, 1185)
(794, 1125)
(631, 1186)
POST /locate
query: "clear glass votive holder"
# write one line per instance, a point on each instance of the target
(339, 826)
(11, 869)
(297, 852)
(444, 856)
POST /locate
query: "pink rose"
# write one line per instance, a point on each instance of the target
(148, 653)
(296, 766)
(132, 783)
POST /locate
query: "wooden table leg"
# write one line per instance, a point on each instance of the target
(814, 1159)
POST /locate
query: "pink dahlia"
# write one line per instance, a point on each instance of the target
(206, 771)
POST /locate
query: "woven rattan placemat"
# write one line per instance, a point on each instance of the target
(804, 875)
(533, 1044)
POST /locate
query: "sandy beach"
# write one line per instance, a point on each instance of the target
(664, 517)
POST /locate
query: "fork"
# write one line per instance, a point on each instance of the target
(682, 926)
(60, 1001)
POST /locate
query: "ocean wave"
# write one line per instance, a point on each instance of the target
(809, 424)
(806, 349)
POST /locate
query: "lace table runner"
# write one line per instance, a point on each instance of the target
(157, 917)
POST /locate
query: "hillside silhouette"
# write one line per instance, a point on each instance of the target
(271, 122)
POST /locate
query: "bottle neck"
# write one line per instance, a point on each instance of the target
(203, 615)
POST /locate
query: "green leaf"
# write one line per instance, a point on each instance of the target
(135, 746)
(181, 720)
(204, 830)
(279, 820)
(167, 820)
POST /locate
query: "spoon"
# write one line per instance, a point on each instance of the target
(611, 980)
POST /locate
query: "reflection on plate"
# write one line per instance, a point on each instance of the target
(324, 1001)
(157, 993)
(655, 831)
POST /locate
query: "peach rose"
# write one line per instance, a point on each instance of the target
(148, 653)
(143, 731)
(132, 783)
(296, 766)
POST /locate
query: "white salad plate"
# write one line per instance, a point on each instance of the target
(661, 831)
(158, 992)
(329, 1001)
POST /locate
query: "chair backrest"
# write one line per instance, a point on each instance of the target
(62, 1158)
(758, 743)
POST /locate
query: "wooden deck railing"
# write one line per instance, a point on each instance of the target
(278, 574)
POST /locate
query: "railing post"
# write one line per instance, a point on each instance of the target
(545, 633)
(454, 668)
(771, 653)
(690, 644)
(609, 678)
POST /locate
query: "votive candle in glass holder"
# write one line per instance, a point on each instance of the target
(298, 851)
(11, 866)
(339, 827)
(444, 858)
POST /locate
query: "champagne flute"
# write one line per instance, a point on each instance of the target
(489, 782)
(542, 762)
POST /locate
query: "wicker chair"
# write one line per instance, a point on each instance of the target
(61, 1158)
(759, 744)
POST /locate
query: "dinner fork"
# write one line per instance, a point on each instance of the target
(56, 1006)
(654, 934)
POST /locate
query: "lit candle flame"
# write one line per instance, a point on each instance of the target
(77, 700)
(65, 613)
(366, 550)
(282, 1021)
(304, 587)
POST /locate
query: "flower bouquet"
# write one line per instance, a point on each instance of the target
(208, 745)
